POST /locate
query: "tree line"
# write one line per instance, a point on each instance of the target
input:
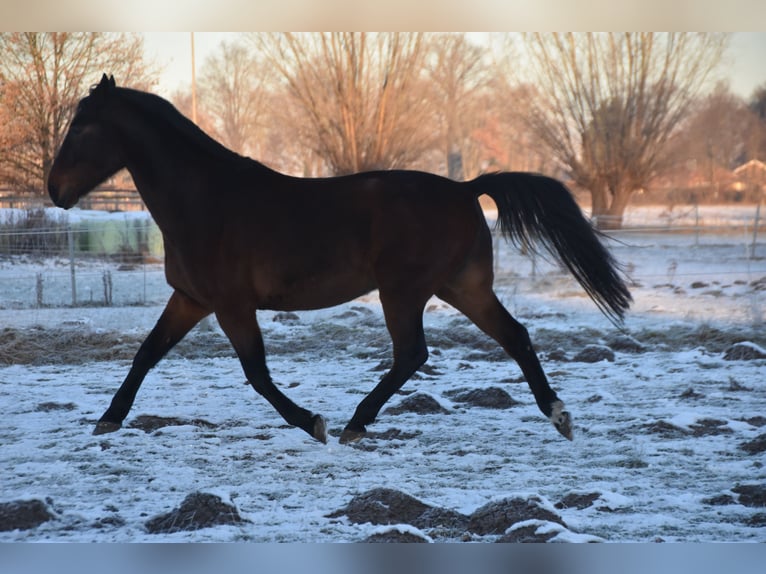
(607, 112)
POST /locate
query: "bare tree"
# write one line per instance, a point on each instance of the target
(459, 74)
(182, 100)
(716, 132)
(360, 96)
(757, 134)
(507, 136)
(607, 104)
(42, 77)
(234, 87)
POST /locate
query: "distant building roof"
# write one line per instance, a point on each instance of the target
(752, 165)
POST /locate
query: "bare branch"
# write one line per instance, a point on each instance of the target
(42, 77)
(607, 103)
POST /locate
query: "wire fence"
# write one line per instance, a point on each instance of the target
(48, 259)
(102, 259)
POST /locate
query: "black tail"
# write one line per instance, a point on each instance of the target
(535, 207)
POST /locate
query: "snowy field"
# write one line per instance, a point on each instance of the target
(669, 435)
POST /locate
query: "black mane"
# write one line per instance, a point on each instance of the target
(166, 114)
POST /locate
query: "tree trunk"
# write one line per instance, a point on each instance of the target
(600, 206)
(455, 163)
(609, 208)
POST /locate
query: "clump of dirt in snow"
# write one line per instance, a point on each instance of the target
(755, 446)
(664, 429)
(419, 403)
(535, 531)
(286, 318)
(385, 506)
(744, 351)
(594, 354)
(23, 514)
(198, 510)
(719, 500)
(54, 406)
(753, 495)
(397, 536)
(490, 397)
(625, 343)
(498, 517)
(710, 427)
(151, 423)
(578, 501)
(388, 506)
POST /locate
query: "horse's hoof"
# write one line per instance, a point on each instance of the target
(562, 420)
(103, 427)
(349, 435)
(319, 430)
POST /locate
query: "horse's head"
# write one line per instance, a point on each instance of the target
(90, 153)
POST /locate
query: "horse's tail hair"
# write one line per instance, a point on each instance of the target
(536, 207)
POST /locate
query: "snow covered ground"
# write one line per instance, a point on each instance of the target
(661, 437)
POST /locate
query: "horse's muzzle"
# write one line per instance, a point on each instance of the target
(59, 196)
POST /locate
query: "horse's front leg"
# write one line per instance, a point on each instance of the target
(245, 335)
(180, 315)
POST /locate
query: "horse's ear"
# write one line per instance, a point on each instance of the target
(107, 82)
(103, 87)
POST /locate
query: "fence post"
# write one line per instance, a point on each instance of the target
(755, 229)
(39, 289)
(696, 224)
(106, 278)
(70, 241)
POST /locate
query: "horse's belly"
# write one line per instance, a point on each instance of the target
(315, 293)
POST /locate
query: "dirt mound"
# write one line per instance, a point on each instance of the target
(744, 352)
(490, 398)
(625, 343)
(753, 495)
(578, 501)
(755, 446)
(54, 406)
(536, 532)
(23, 514)
(419, 403)
(287, 318)
(198, 510)
(497, 517)
(664, 429)
(385, 506)
(151, 423)
(594, 354)
(710, 427)
(396, 536)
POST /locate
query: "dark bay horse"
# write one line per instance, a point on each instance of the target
(240, 237)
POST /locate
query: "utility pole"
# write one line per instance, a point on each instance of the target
(204, 324)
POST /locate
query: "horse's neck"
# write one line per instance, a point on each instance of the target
(168, 175)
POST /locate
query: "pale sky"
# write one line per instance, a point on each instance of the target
(744, 67)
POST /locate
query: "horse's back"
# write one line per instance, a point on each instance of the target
(294, 243)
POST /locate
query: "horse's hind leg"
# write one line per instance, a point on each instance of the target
(178, 318)
(245, 335)
(404, 320)
(474, 297)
